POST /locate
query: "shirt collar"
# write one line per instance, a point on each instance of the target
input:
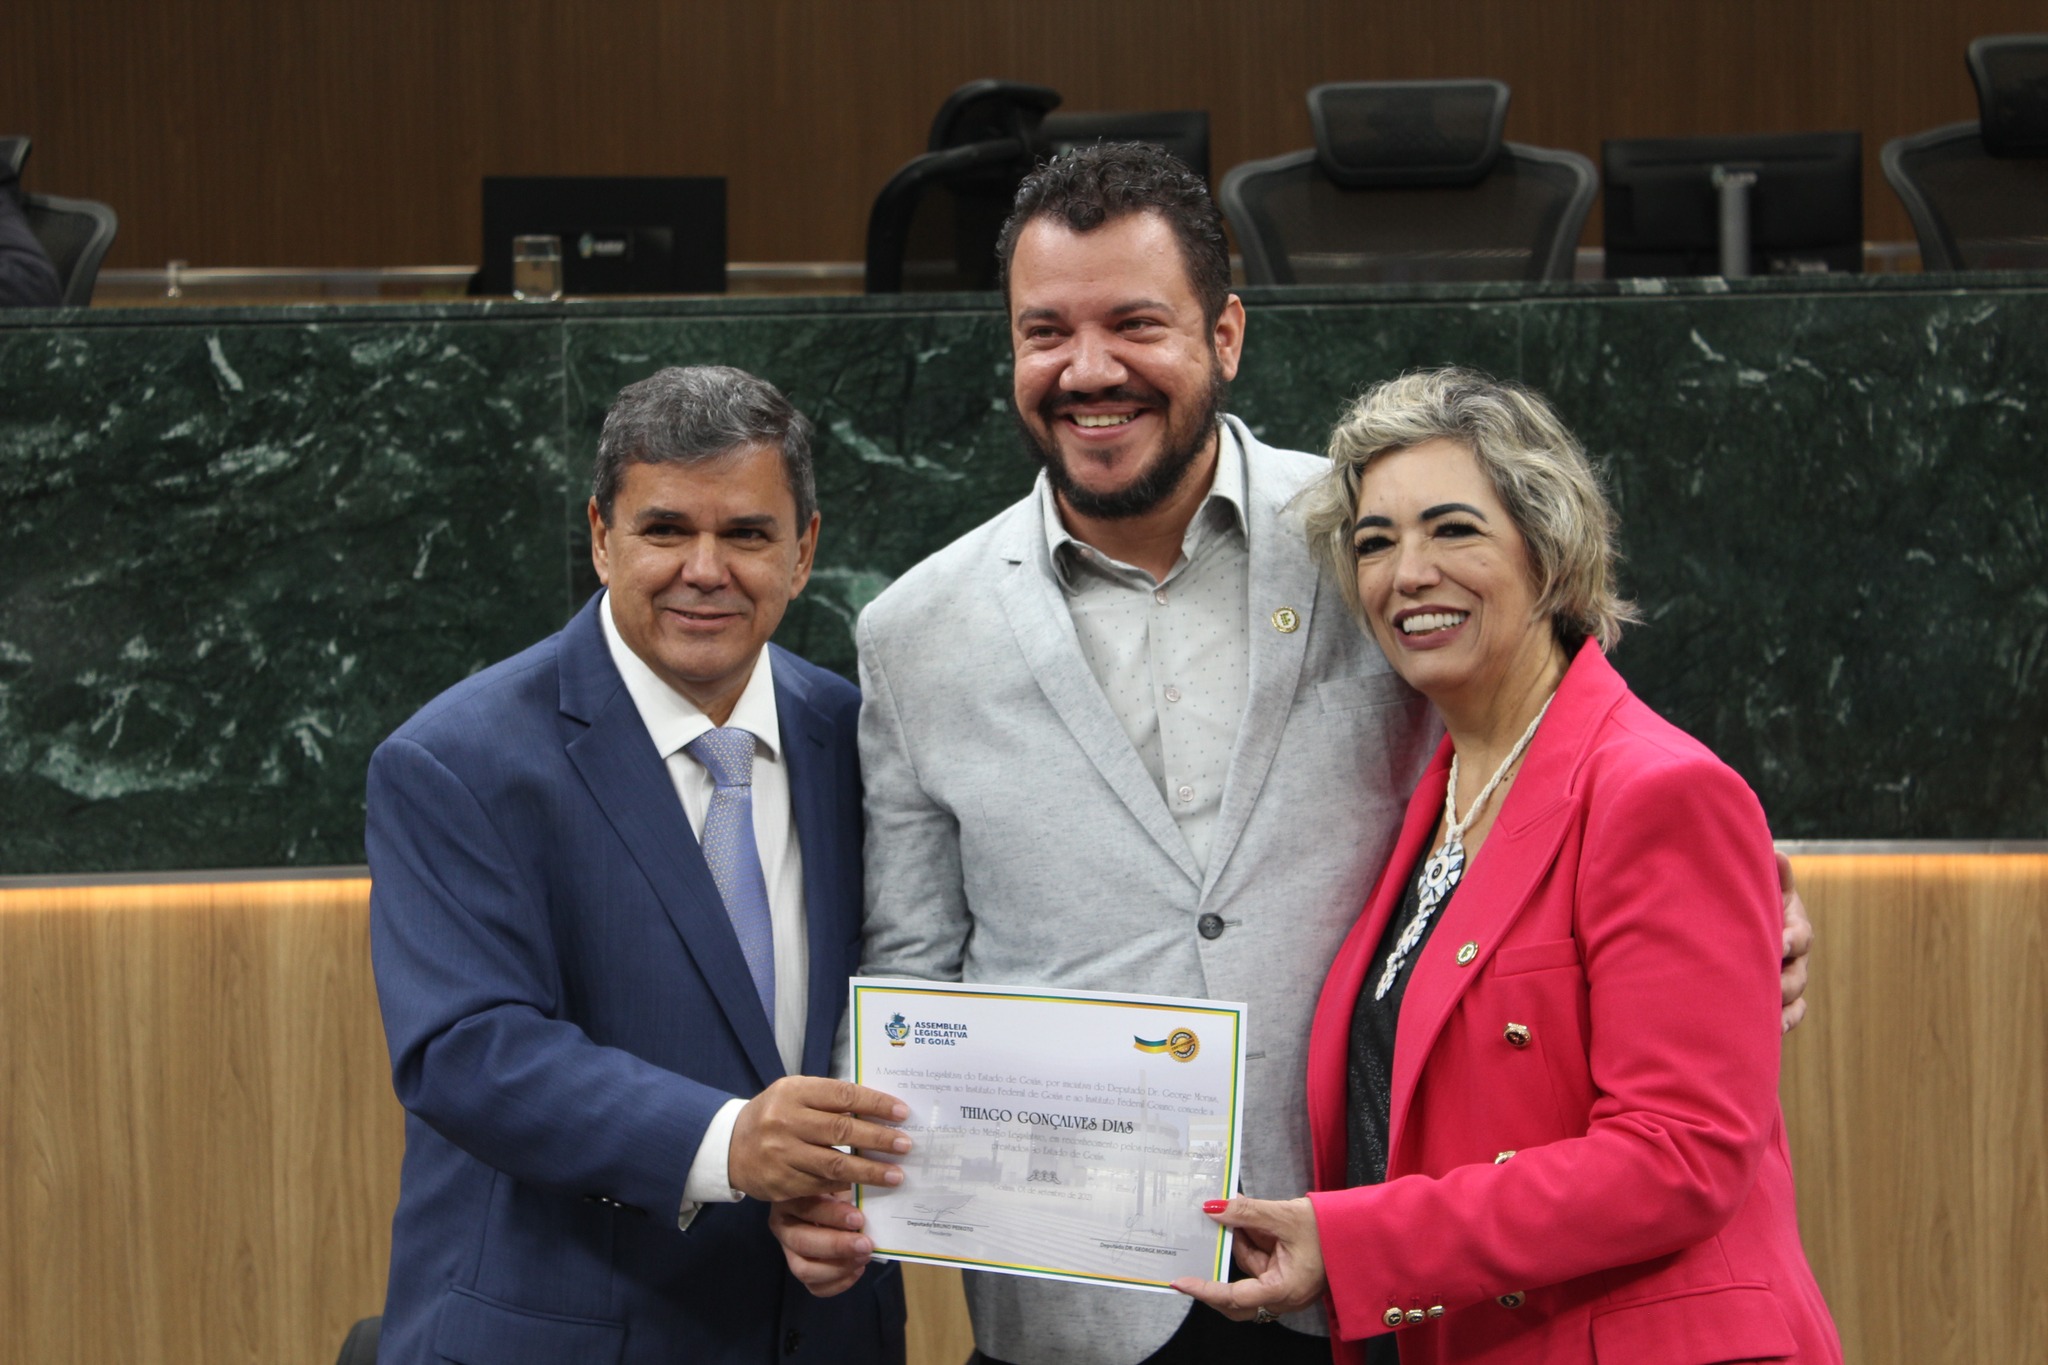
(1223, 507)
(673, 719)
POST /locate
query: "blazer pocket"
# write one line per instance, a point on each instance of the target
(1705, 1327)
(474, 1330)
(1536, 957)
(1372, 689)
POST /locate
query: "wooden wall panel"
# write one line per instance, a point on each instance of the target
(938, 1332)
(201, 1143)
(1916, 1099)
(305, 132)
(201, 1147)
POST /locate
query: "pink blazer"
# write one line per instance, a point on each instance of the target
(1587, 1161)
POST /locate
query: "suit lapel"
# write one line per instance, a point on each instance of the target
(807, 753)
(630, 784)
(1282, 579)
(1029, 593)
(1516, 856)
(1487, 902)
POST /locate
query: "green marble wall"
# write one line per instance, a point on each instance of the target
(241, 546)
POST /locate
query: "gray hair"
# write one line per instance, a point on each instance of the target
(1537, 469)
(697, 413)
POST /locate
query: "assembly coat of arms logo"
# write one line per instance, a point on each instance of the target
(898, 1030)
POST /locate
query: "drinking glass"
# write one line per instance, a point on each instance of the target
(537, 267)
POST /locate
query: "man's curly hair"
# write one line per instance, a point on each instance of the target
(1089, 186)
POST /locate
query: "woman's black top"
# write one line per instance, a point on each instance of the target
(1370, 1071)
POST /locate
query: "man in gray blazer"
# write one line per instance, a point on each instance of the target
(1120, 737)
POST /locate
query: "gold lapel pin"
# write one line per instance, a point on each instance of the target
(1466, 953)
(1286, 620)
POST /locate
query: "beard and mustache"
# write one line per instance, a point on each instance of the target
(1154, 485)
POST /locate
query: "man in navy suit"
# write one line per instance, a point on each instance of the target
(616, 895)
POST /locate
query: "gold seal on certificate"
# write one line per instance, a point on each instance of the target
(1069, 1135)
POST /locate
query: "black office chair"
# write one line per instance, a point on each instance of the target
(1978, 192)
(359, 1347)
(934, 225)
(75, 233)
(1409, 180)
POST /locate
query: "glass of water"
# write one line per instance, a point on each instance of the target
(537, 268)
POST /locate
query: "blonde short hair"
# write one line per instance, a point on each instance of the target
(1537, 469)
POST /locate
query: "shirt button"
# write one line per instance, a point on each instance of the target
(1160, 597)
(1173, 694)
(1186, 794)
(1210, 926)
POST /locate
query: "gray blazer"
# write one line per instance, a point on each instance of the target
(1014, 835)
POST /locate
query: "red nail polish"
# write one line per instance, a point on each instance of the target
(1215, 1205)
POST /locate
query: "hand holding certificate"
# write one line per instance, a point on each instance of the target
(1062, 1134)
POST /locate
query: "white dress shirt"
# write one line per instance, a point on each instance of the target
(1173, 656)
(674, 721)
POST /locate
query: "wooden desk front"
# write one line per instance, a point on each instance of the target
(202, 1148)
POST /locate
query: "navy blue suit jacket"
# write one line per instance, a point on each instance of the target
(567, 1006)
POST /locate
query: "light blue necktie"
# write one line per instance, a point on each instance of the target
(728, 755)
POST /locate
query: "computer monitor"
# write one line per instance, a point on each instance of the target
(1664, 206)
(1184, 132)
(620, 234)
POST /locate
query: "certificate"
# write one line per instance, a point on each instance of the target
(1069, 1135)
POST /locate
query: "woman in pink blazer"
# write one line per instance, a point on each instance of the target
(1543, 1074)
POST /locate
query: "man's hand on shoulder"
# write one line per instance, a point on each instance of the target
(822, 1241)
(1798, 947)
(785, 1141)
